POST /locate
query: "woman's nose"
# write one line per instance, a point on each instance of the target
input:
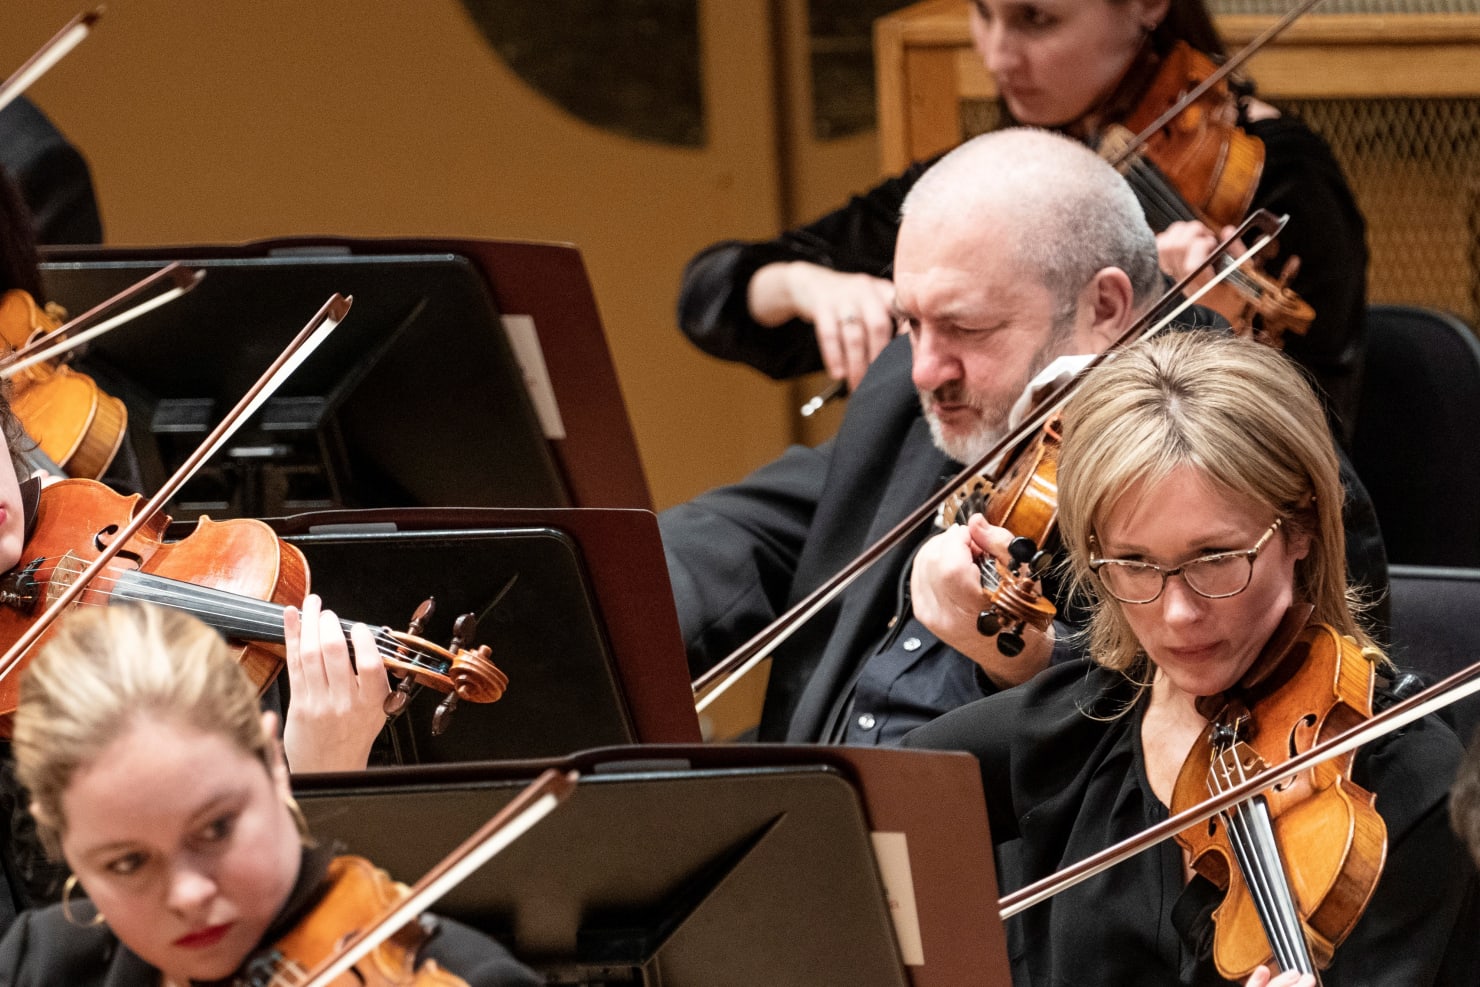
(191, 889)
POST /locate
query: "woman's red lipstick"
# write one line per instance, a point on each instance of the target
(203, 938)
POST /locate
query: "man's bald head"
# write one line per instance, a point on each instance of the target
(1061, 211)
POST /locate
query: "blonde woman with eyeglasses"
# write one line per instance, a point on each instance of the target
(1201, 509)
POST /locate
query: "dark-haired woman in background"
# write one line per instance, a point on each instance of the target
(819, 296)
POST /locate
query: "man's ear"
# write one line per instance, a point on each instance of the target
(1111, 302)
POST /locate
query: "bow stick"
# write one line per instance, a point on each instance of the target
(98, 319)
(307, 340)
(531, 805)
(1218, 75)
(70, 36)
(1463, 683)
(709, 686)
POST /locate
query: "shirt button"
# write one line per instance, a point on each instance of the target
(912, 644)
(866, 721)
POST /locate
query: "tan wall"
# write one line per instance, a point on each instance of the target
(227, 120)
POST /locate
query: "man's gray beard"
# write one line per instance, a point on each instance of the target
(965, 449)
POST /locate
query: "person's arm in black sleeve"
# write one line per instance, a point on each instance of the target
(1326, 231)
(1420, 928)
(475, 958)
(714, 313)
(985, 729)
(714, 300)
(732, 552)
(42, 949)
(51, 175)
(13, 949)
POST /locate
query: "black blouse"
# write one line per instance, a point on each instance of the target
(43, 949)
(1063, 781)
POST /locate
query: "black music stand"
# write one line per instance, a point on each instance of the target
(711, 866)
(574, 604)
(418, 398)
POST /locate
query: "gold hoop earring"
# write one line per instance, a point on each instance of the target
(67, 890)
(300, 822)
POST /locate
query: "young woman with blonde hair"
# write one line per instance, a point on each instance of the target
(154, 774)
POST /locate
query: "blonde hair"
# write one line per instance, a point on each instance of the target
(1242, 415)
(107, 667)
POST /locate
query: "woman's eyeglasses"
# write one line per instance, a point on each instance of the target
(1213, 576)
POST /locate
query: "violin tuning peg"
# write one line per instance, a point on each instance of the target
(1022, 551)
(1040, 564)
(1010, 642)
(395, 703)
(1288, 272)
(988, 623)
(464, 629)
(423, 613)
(442, 718)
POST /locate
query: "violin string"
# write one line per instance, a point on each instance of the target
(1242, 840)
(1283, 896)
(288, 973)
(1156, 192)
(1260, 863)
(249, 617)
(1259, 860)
(990, 580)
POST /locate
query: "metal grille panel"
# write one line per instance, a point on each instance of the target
(1276, 8)
(1414, 166)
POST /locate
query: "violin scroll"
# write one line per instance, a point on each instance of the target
(1025, 500)
(1013, 600)
(458, 671)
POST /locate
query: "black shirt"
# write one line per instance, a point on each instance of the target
(1065, 777)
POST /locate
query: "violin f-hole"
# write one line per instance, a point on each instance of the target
(100, 544)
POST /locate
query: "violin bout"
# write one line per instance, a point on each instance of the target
(358, 894)
(1213, 163)
(77, 424)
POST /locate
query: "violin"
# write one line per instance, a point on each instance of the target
(1322, 825)
(76, 424)
(1024, 501)
(1331, 744)
(1210, 161)
(367, 926)
(236, 575)
(1199, 165)
(1287, 755)
(54, 583)
(358, 892)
